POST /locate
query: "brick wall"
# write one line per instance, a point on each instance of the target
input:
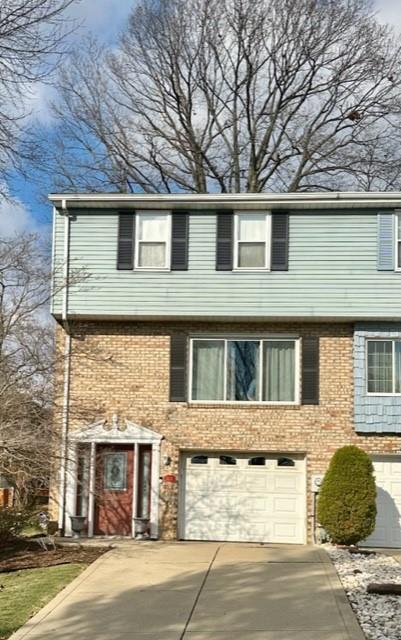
(123, 368)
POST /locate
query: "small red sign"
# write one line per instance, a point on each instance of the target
(169, 478)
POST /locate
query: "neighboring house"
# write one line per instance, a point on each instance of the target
(237, 341)
(6, 493)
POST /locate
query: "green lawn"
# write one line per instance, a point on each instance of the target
(23, 593)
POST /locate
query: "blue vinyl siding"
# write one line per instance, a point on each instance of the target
(332, 273)
(373, 414)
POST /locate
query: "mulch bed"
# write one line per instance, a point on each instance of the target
(23, 553)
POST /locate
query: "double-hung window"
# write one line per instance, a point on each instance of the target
(244, 370)
(153, 240)
(398, 241)
(252, 240)
(383, 366)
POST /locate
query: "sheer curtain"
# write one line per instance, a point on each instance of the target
(208, 370)
(152, 254)
(279, 371)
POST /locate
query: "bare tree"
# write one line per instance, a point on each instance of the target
(29, 408)
(26, 342)
(32, 38)
(233, 95)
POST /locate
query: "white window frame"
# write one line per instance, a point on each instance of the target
(145, 212)
(397, 241)
(258, 338)
(267, 240)
(376, 393)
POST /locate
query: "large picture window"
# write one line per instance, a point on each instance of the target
(384, 366)
(252, 241)
(153, 241)
(244, 370)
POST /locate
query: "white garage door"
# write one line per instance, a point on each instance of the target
(388, 522)
(243, 497)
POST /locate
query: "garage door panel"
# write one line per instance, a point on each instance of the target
(223, 480)
(257, 482)
(291, 482)
(198, 481)
(285, 505)
(255, 505)
(395, 491)
(242, 501)
(286, 532)
(395, 469)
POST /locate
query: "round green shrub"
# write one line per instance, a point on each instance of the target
(347, 500)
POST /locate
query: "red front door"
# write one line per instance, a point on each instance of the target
(114, 488)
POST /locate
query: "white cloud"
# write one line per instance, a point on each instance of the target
(389, 11)
(103, 18)
(15, 217)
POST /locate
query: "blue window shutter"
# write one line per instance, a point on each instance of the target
(385, 241)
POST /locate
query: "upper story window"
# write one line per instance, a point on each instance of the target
(153, 240)
(398, 242)
(244, 370)
(252, 241)
(383, 367)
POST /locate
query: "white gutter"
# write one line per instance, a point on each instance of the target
(67, 369)
(212, 200)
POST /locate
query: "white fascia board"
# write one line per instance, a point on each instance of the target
(247, 200)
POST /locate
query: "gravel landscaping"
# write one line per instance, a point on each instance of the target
(378, 615)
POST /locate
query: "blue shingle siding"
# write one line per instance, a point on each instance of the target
(373, 414)
(385, 241)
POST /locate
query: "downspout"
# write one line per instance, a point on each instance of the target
(67, 368)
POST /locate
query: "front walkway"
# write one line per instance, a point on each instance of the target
(200, 591)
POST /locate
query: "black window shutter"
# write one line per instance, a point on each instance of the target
(310, 370)
(224, 241)
(279, 241)
(126, 240)
(178, 367)
(179, 242)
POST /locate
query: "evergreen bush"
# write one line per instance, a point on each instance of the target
(347, 500)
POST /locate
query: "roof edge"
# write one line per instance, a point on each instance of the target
(225, 200)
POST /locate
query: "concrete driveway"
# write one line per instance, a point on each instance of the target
(200, 591)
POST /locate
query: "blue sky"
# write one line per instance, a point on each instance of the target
(104, 19)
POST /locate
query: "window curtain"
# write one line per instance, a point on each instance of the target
(279, 371)
(243, 370)
(397, 366)
(380, 366)
(208, 370)
(153, 227)
(252, 227)
(152, 254)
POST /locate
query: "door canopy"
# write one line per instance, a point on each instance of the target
(115, 431)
